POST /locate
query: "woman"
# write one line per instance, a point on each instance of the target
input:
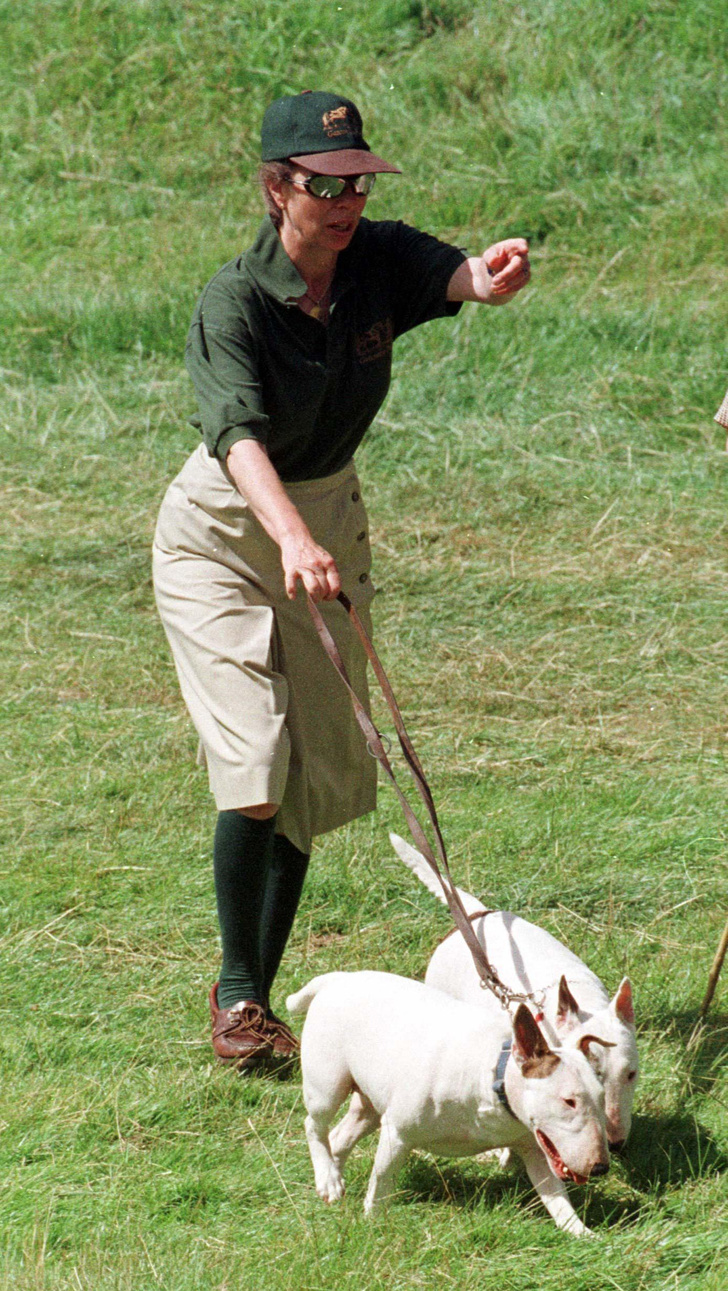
(290, 354)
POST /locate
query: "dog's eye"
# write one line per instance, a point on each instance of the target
(570, 1102)
(631, 1075)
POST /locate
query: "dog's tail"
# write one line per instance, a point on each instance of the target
(416, 862)
(300, 1002)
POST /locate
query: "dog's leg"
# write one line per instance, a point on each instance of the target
(325, 1086)
(392, 1153)
(361, 1119)
(552, 1191)
(326, 1173)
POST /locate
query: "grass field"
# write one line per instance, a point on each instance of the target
(548, 497)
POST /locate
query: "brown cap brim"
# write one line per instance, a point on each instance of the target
(346, 161)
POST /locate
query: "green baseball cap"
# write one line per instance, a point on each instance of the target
(320, 131)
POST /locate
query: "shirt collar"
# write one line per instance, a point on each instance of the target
(273, 270)
(270, 266)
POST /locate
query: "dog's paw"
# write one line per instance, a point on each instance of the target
(503, 1156)
(330, 1186)
(575, 1228)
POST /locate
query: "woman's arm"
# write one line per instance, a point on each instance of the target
(256, 478)
(493, 278)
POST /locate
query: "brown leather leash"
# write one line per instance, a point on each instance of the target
(488, 976)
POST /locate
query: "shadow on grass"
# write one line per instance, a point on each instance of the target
(670, 1148)
(704, 1045)
(464, 1188)
(286, 1070)
(664, 1151)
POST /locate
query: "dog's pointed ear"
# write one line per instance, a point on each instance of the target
(622, 1005)
(567, 1010)
(530, 1047)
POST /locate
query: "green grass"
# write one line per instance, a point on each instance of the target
(548, 498)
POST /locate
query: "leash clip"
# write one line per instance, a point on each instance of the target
(385, 742)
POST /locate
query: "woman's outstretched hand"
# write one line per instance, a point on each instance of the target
(508, 266)
(495, 277)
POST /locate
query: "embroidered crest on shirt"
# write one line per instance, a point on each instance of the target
(376, 343)
(336, 122)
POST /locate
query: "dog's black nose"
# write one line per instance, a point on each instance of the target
(618, 1146)
(599, 1169)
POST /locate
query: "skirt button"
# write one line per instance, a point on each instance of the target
(363, 578)
(361, 536)
(355, 496)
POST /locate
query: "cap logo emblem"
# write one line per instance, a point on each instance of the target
(337, 122)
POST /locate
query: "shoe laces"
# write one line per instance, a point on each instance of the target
(278, 1027)
(249, 1015)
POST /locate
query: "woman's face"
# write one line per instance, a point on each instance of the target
(317, 223)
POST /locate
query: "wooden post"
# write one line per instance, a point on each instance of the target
(715, 972)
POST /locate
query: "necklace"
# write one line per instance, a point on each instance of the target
(319, 305)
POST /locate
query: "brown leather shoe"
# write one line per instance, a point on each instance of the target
(285, 1043)
(240, 1035)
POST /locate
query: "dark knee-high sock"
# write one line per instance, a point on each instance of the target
(283, 889)
(242, 856)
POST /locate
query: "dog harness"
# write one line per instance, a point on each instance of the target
(499, 1084)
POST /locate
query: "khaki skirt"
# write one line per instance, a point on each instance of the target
(275, 721)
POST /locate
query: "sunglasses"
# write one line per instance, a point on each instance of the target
(329, 186)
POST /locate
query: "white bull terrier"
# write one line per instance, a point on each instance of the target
(571, 999)
(434, 1073)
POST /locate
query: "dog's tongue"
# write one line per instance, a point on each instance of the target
(560, 1170)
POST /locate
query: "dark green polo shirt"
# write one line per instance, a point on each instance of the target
(264, 370)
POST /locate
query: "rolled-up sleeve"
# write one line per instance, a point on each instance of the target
(220, 357)
(722, 414)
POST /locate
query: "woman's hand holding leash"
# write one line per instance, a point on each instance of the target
(305, 562)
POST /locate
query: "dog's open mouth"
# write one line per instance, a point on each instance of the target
(560, 1170)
